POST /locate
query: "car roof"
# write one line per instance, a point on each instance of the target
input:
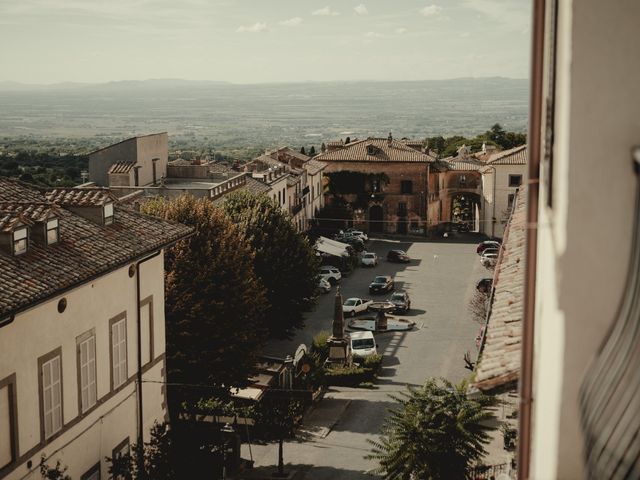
(360, 335)
(370, 253)
(386, 277)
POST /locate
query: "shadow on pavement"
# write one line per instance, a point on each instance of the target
(306, 472)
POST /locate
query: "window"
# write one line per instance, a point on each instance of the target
(510, 199)
(118, 342)
(92, 474)
(279, 198)
(86, 353)
(119, 451)
(8, 422)
(402, 209)
(462, 180)
(515, 180)
(50, 367)
(20, 241)
(146, 324)
(108, 214)
(406, 187)
(53, 231)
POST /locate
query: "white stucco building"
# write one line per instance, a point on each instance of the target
(81, 293)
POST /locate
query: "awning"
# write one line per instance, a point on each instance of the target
(331, 247)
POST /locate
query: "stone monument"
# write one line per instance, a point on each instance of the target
(338, 342)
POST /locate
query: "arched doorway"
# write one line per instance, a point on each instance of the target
(464, 211)
(375, 218)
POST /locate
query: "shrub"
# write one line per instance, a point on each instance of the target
(319, 344)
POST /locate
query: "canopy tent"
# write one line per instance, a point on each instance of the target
(331, 247)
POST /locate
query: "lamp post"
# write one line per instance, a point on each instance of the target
(227, 431)
(288, 385)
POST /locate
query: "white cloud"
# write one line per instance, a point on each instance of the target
(255, 28)
(372, 34)
(431, 10)
(361, 9)
(401, 31)
(325, 12)
(292, 22)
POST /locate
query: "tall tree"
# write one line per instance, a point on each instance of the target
(436, 432)
(214, 301)
(302, 151)
(312, 151)
(284, 261)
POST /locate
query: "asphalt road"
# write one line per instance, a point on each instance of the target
(440, 280)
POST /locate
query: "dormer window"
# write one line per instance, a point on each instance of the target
(20, 241)
(53, 231)
(371, 150)
(108, 214)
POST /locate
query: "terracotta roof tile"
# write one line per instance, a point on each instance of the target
(121, 167)
(500, 360)
(513, 156)
(85, 249)
(357, 151)
(314, 166)
(80, 197)
(13, 213)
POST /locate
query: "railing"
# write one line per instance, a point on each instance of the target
(227, 186)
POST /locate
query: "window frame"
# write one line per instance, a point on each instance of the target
(114, 321)
(95, 469)
(56, 229)
(9, 382)
(16, 240)
(117, 452)
(42, 361)
(514, 176)
(143, 303)
(108, 218)
(406, 187)
(80, 340)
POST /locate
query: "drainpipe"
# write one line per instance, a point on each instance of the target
(140, 442)
(153, 161)
(535, 124)
(493, 203)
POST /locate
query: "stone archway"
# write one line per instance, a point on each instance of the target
(464, 210)
(376, 216)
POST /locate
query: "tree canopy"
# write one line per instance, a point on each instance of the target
(284, 260)
(436, 432)
(496, 136)
(214, 300)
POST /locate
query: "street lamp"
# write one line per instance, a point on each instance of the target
(227, 431)
(288, 385)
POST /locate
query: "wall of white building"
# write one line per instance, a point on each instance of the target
(86, 439)
(498, 207)
(579, 288)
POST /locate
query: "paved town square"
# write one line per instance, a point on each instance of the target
(440, 279)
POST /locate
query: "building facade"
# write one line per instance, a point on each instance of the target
(82, 293)
(133, 162)
(383, 180)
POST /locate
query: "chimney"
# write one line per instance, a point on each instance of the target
(389, 139)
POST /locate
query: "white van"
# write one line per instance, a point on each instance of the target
(362, 345)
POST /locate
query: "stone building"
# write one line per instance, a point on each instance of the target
(133, 162)
(81, 320)
(384, 180)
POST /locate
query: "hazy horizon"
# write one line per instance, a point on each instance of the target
(282, 41)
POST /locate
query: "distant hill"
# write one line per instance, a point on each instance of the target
(223, 115)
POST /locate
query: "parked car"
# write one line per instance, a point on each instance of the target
(354, 306)
(382, 283)
(323, 285)
(398, 256)
(486, 251)
(401, 301)
(357, 233)
(331, 274)
(489, 260)
(482, 246)
(363, 345)
(355, 242)
(369, 259)
(484, 285)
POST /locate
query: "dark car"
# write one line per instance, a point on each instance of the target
(401, 301)
(355, 242)
(484, 285)
(382, 283)
(398, 256)
(482, 246)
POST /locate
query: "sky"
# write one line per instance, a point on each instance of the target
(258, 41)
